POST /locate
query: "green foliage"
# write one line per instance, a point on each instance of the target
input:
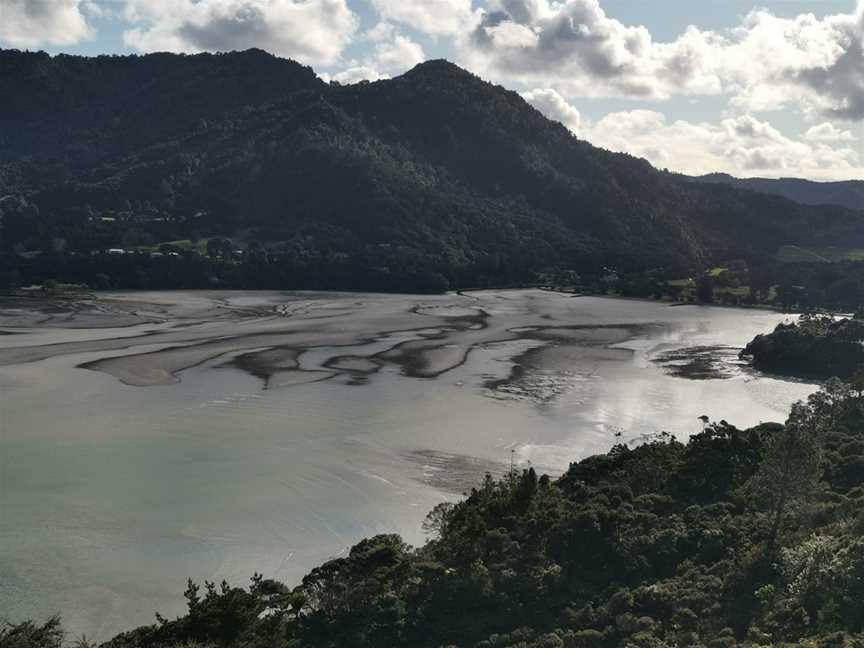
(32, 635)
(814, 346)
(790, 467)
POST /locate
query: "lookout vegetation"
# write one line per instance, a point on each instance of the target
(736, 538)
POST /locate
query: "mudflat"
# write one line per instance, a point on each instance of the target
(150, 437)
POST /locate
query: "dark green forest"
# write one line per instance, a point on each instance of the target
(736, 538)
(814, 346)
(245, 170)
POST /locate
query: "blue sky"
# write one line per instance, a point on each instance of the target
(769, 89)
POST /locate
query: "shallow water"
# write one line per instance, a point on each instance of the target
(151, 437)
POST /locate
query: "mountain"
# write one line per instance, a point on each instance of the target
(433, 174)
(846, 193)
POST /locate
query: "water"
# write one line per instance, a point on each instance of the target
(189, 447)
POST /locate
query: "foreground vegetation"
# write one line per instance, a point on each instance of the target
(736, 538)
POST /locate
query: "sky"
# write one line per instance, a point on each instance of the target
(774, 89)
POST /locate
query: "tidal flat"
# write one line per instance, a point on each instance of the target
(150, 437)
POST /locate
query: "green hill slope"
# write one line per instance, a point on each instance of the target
(435, 171)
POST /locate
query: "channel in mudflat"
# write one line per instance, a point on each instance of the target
(232, 432)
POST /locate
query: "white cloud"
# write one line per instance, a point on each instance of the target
(434, 17)
(32, 23)
(766, 63)
(391, 53)
(827, 132)
(400, 53)
(574, 45)
(355, 74)
(742, 146)
(554, 106)
(508, 34)
(771, 63)
(312, 31)
(380, 32)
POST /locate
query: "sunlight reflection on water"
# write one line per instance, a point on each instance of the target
(112, 495)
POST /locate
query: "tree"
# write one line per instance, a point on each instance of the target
(436, 520)
(219, 248)
(32, 635)
(213, 247)
(790, 468)
(21, 222)
(166, 194)
(705, 289)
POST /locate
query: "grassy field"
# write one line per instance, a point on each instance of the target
(687, 288)
(681, 283)
(740, 291)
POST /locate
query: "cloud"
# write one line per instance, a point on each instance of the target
(765, 63)
(554, 106)
(391, 53)
(312, 31)
(742, 146)
(576, 46)
(32, 23)
(433, 17)
(827, 132)
(770, 63)
(355, 74)
(399, 53)
(510, 35)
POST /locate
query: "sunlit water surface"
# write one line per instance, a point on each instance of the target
(112, 494)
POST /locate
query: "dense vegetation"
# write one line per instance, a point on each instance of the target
(792, 287)
(736, 538)
(246, 170)
(819, 346)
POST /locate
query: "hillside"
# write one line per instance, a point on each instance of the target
(429, 180)
(845, 193)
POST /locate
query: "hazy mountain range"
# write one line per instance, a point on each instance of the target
(847, 193)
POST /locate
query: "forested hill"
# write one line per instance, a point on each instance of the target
(436, 176)
(846, 193)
